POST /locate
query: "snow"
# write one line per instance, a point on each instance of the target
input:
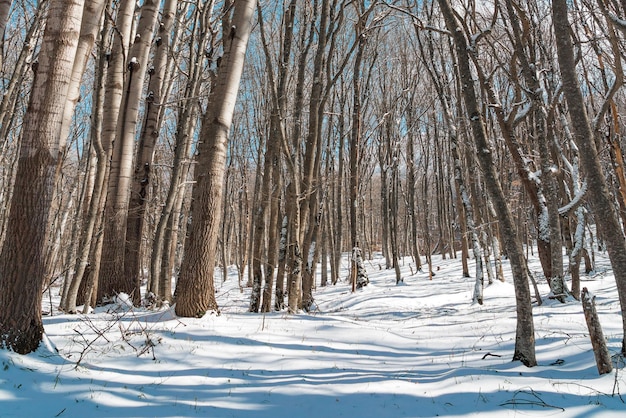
(417, 350)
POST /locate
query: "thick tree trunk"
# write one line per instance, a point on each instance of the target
(22, 268)
(195, 290)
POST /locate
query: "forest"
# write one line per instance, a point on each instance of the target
(151, 147)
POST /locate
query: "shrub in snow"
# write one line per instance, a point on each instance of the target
(123, 301)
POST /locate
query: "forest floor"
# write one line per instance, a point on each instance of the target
(419, 349)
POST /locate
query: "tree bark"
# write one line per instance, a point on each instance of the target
(91, 22)
(93, 216)
(195, 290)
(600, 350)
(22, 259)
(166, 234)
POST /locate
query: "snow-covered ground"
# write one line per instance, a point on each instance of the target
(420, 349)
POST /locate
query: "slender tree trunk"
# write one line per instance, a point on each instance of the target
(22, 259)
(93, 215)
(310, 172)
(355, 143)
(279, 298)
(338, 227)
(195, 290)
(525, 338)
(267, 212)
(600, 350)
(273, 245)
(549, 223)
(393, 222)
(411, 209)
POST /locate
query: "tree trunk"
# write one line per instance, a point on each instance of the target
(601, 201)
(195, 290)
(525, 338)
(154, 108)
(93, 216)
(411, 204)
(600, 350)
(355, 142)
(92, 18)
(111, 267)
(166, 234)
(279, 298)
(268, 210)
(310, 172)
(120, 247)
(22, 268)
(5, 7)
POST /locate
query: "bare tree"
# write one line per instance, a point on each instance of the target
(525, 338)
(164, 249)
(601, 201)
(271, 182)
(195, 294)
